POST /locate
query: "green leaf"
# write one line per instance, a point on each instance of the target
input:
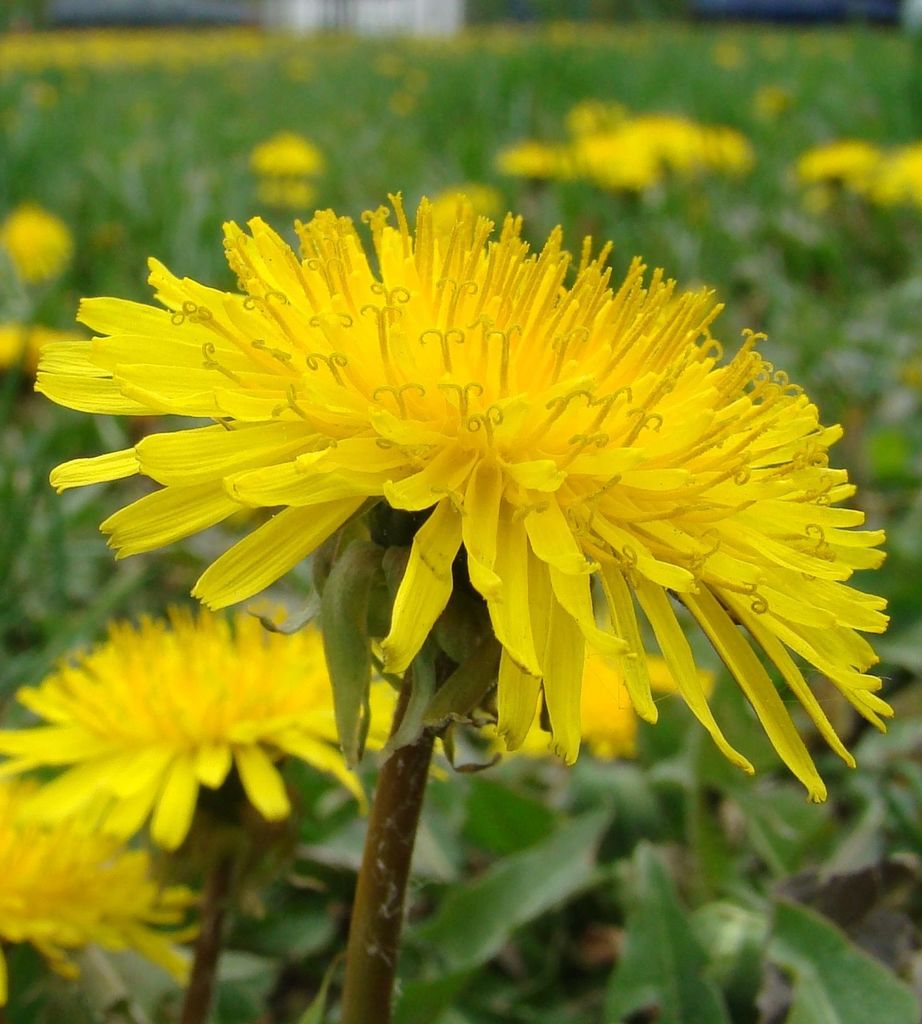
(244, 981)
(344, 613)
(662, 965)
(424, 1002)
(477, 919)
(783, 827)
(315, 1013)
(834, 981)
(466, 686)
(422, 687)
(503, 821)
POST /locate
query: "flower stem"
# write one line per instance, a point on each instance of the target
(377, 913)
(197, 1002)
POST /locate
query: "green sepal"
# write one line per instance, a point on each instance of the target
(464, 689)
(316, 1012)
(423, 684)
(295, 622)
(344, 614)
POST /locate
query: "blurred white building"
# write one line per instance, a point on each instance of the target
(418, 17)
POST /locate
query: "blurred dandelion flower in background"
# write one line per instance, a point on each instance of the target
(847, 163)
(562, 433)
(591, 116)
(161, 708)
(771, 101)
(620, 161)
(66, 885)
(539, 161)
(481, 200)
(283, 166)
(286, 193)
(899, 178)
(661, 144)
(617, 151)
(286, 155)
(38, 244)
(23, 343)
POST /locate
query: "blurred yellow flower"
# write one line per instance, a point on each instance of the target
(286, 193)
(899, 178)
(620, 161)
(286, 155)
(729, 54)
(771, 101)
(594, 116)
(24, 342)
(848, 163)
(474, 199)
(161, 708)
(38, 243)
(402, 103)
(619, 152)
(536, 160)
(644, 149)
(284, 166)
(66, 886)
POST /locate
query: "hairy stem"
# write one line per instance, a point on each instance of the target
(197, 1002)
(378, 910)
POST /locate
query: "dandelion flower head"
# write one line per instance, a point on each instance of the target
(771, 101)
(630, 153)
(851, 163)
(24, 342)
(284, 166)
(38, 243)
(562, 431)
(482, 200)
(899, 178)
(286, 155)
(536, 160)
(592, 116)
(162, 708)
(66, 886)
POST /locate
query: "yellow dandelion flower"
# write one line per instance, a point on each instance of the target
(537, 160)
(642, 150)
(728, 54)
(899, 178)
(286, 155)
(621, 161)
(771, 101)
(66, 886)
(286, 193)
(609, 722)
(162, 708)
(590, 117)
(686, 147)
(38, 243)
(24, 342)
(483, 200)
(402, 103)
(849, 163)
(561, 433)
